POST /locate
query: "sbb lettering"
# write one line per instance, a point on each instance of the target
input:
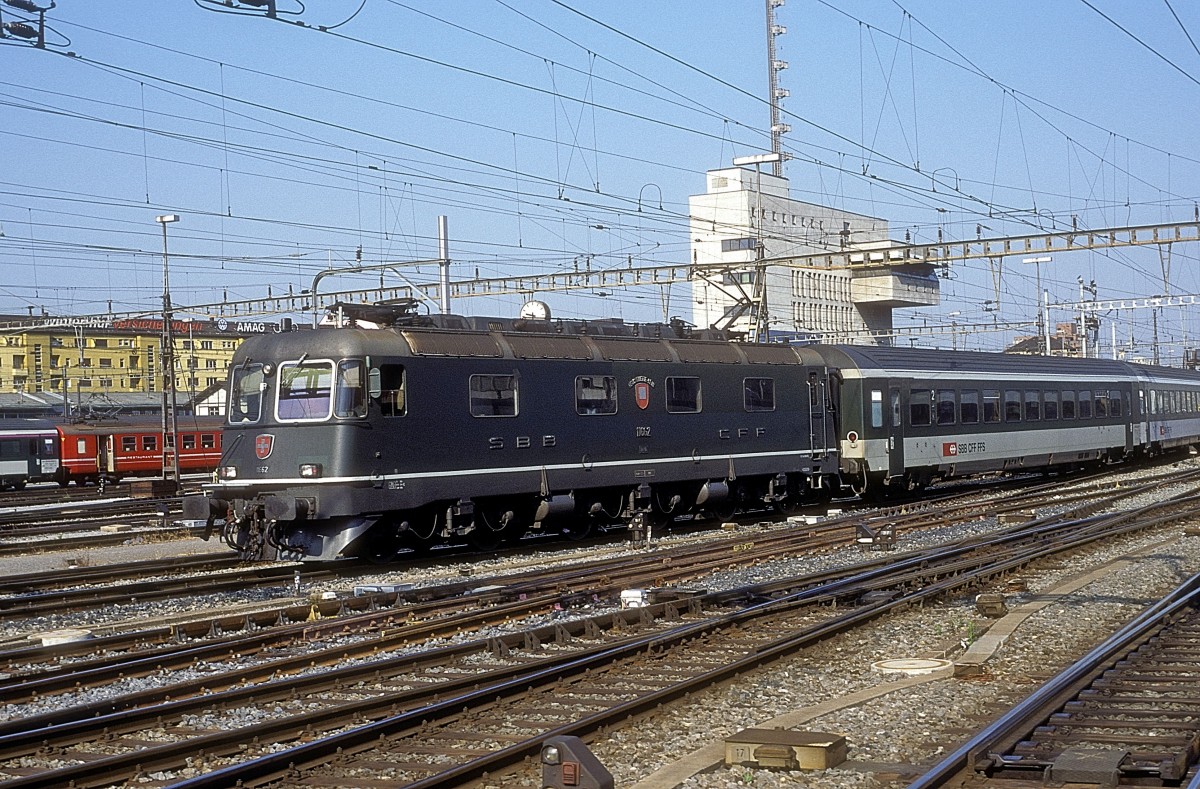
(522, 442)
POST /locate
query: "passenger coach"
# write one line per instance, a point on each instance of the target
(28, 452)
(910, 416)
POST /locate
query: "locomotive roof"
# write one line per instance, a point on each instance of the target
(653, 342)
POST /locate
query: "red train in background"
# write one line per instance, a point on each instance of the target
(114, 450)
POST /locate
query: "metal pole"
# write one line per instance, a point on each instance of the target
(444, 254)
(170, 431)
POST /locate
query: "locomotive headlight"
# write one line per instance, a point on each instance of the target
(228, 472)
(310, 470)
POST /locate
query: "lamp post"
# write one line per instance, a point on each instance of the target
(1043, 318)
(170, 432)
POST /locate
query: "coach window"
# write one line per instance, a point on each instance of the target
(188, 440)
(1100, 407)
(1154, 401)
(876, 408)
(759, 394)
(595, 394)
(246, 385)
(919, 410)
(1049, 405)
(945, 406)
(128, 444)
(991, 405)
(208, 441)
(968, 406)
(493, 395)
(1033, 405)
(350, 398)
(1114, 402)
(1012, 405)
(1068, 405)
(683, 395)
(149, 443)
(1085, 404)
(392, 401)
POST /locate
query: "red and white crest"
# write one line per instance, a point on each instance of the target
(641, 394)
(263, 445)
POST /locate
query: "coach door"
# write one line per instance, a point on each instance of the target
(895, 448)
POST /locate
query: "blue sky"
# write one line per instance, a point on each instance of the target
(541, 127)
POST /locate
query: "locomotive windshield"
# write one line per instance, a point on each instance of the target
(305, 391)
(246, 385)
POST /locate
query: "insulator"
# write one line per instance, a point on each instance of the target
(25, 5)
(20, 29)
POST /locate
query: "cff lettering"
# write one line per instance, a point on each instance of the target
(955, 448)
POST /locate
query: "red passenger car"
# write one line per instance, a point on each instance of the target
(112, 450)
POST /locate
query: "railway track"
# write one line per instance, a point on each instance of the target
(690, 642)
(1124, 714)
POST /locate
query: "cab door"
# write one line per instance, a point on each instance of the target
(895, 447)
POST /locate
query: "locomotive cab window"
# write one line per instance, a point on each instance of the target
(595, 394)
(246, 386)
(759, 394)
(389, 389)
(493, 395)
(305, 391)
(350, 399)
(683, 395)
(919, 407)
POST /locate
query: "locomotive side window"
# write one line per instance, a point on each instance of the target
(968, 406)
(391, 385)
(493, 395)
(991, 405)
(1012, 405)
(919, 407)
(1068, 405)
(350, 399)
(760, 394)
(305, 391)
(945, 406)
(246, 385)
(876, 408)
(1114, 402)
(128, 444)
(595, 394)
(1050, 405)
(1085, 404)
(1033, 405)
(683, 395)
